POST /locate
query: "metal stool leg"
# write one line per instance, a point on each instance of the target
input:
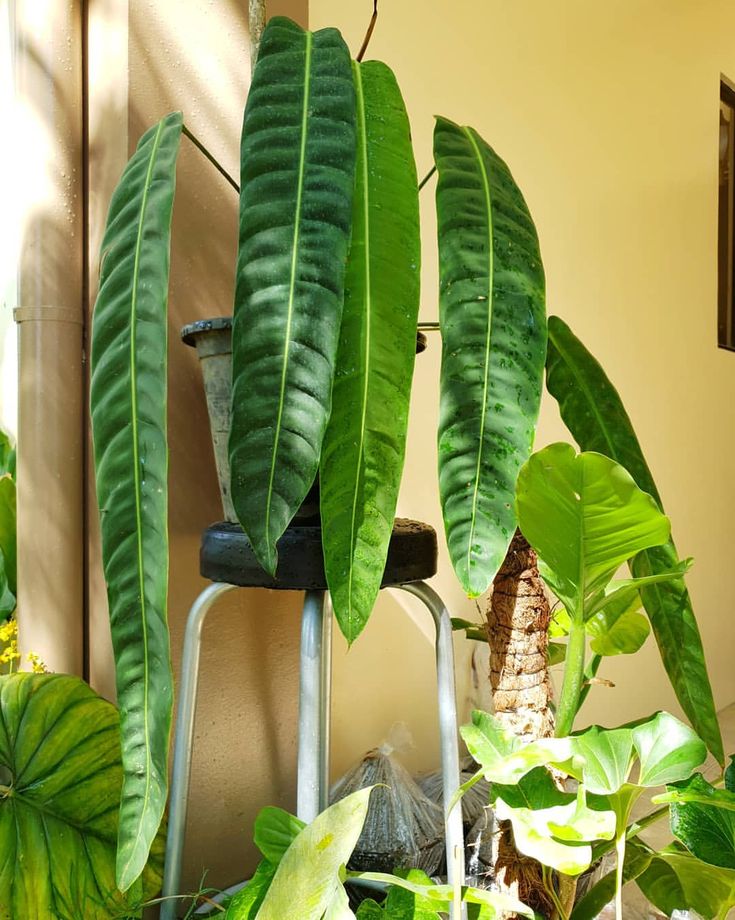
(183, 747)
(313, 758)
(449, 734)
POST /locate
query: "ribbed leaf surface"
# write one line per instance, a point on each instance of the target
(128, 401)
(60, 780)
(364, 447)
(594, 413)
(493, 327)
(298, 156)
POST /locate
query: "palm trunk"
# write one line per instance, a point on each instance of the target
(518, 632)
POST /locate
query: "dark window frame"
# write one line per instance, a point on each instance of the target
(726, 218)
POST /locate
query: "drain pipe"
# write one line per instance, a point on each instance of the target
(48, 48)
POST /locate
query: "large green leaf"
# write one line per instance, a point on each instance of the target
(492, 314)
(505, 758)
(307, 882)
(675, 880)
(618, 629)
(297, 168)
(60, 781)
(552, 826)
(362, 456)
(593, 411)
(584, 516)
(128, 401)
(703, 818)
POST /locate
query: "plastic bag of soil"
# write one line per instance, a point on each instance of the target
(474, 801)
(403, 828)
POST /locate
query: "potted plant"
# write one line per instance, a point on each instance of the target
(323, 345)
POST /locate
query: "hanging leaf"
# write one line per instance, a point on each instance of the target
(593, 412)
(297, 168)
(362, 457)
(128, 404)
(584, 516)
(60, 782)
(492, 315)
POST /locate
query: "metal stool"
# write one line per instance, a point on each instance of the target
(228, 561)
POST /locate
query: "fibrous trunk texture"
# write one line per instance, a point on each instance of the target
(518, 632)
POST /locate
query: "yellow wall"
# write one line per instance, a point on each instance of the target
(607, 113)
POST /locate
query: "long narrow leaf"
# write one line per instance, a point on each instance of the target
(128, 403)
(364, 447)
(594, 413)
(493, 327)
(298, 156)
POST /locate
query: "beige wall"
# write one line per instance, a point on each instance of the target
(608, 116)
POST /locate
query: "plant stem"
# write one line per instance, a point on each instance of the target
(590, 671)
(569, 701)
(203, 150)
(620, 864)
(550, 888)
(428, 176)
(369, 33)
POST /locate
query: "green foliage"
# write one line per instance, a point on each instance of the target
(493, 326)
(676, 880)
(703, 818)
(364, 446)
(402, 904)
(585, 516)
(61, 779)
(637, 859)
(619, 628)
(297, 175)
(552, 826)
(308, 876)
(128, 404)
(594, 413)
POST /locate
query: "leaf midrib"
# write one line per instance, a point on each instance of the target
(292, 286)
(362, 129)
(137, 481)
(486, 381)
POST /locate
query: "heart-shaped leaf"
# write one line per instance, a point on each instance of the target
(584, 516)
(619, 628)
(59, 802)
(550, 825)
(504, 758)
(668, 750)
